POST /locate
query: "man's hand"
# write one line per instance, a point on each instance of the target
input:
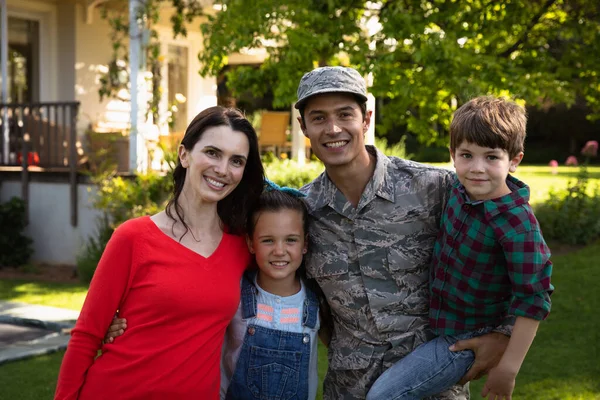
(116, 329)
(500, 384)
(488, 350)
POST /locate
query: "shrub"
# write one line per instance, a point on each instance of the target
(289, 173)
(572, 215)
(121, 198)
(15, 247)
(88, 258)
(396, 150)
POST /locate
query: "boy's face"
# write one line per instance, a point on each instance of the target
(483, 170)
(335, 126)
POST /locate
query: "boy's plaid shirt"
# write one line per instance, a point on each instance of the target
(490, 260)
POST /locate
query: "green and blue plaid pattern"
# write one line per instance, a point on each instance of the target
(490, 260)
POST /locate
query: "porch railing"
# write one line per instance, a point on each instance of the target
(45, 132)
(41, 135)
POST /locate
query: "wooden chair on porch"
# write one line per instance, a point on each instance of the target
(273, 132)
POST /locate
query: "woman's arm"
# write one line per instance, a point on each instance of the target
(107, 290)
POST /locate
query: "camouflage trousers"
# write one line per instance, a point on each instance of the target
(353, 384)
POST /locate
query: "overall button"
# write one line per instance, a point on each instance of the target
(305, 339)
(251, 331)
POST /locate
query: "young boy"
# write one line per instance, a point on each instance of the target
(490, 259)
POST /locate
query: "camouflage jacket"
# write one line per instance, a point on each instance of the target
(373, 261)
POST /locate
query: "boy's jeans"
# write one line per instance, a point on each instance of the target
(428, 370)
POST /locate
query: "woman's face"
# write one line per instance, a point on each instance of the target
(215, 165)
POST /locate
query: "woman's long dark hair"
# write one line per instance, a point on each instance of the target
(234, 208)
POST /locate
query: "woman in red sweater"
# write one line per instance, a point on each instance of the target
(175, 276)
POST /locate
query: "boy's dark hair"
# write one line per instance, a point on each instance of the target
(361, 104)
(489, 121)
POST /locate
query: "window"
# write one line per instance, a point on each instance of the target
(23, 60)
(177, 87)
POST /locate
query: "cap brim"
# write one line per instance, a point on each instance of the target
(302, 101)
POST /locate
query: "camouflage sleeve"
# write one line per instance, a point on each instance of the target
(445, 184)
(507, 326)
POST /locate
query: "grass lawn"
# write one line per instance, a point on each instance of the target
(562, 364)
(540, 178)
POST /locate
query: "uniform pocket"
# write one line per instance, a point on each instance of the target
(273, 374)
(326, 261)
(409, 263)
(412, 282)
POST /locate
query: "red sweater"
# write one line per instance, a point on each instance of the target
(177, 305)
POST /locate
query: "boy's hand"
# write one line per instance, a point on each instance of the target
(500, 384)
(488, 350)
(116, 329)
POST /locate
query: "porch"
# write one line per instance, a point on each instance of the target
(41, 137)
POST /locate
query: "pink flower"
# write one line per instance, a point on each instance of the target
(553, 164)
(590, 149)
(571, 160)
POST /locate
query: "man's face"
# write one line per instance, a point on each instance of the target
(336, 127)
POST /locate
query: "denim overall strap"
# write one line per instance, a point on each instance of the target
(310, 311)
(249, 292)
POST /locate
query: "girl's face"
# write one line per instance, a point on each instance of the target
(278, 243)
(215, 165)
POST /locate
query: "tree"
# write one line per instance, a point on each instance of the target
(425, 57)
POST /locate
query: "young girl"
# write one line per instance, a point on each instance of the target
(270, 348)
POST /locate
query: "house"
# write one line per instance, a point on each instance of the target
(56, 51)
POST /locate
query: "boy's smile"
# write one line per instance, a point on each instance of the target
(483, 170)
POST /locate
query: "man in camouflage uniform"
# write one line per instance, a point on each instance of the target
(374, 220)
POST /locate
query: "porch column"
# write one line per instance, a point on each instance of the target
(137, 35)
(370, 135)
(298, 143)
(4, 72)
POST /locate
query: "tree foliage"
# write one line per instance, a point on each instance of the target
(424, 58)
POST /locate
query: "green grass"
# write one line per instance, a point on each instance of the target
(31, 379)
(563, 363)
(62, 295)
(540, 178)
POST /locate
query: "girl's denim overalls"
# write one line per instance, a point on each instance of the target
(273, 364)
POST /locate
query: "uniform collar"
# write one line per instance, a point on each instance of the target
(322, 192)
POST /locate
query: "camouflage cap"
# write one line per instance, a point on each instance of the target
(331, 80)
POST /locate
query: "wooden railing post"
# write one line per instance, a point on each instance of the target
(73, 163)
(24, 166)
